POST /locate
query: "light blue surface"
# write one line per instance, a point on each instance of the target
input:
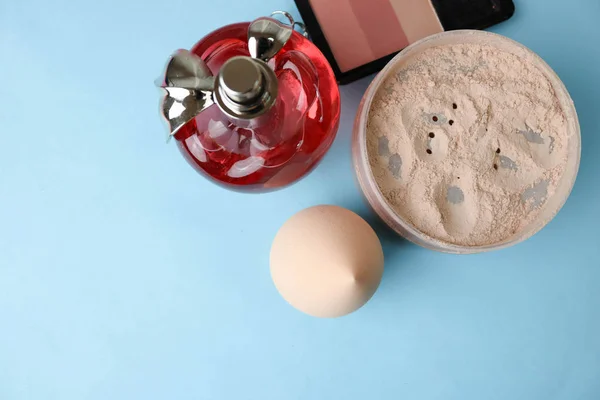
(125, 275)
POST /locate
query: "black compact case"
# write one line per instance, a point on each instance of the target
(453, 15)
(472, 14)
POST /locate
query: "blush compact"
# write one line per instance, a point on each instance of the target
(359, 37)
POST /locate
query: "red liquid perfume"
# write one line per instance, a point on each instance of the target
(253, 106)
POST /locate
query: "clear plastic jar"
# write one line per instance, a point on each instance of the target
(367, 181)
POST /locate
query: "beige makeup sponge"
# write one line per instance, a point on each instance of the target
(326, 261)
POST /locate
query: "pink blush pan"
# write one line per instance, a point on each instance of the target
(362, 31)
(343, 32)
(380, 25)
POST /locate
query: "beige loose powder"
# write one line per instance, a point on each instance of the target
(467, 142)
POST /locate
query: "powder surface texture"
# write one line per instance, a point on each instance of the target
(467, 142)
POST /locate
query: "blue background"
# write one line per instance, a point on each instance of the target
(125, 275)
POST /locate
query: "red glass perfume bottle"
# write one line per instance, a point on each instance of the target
(253, 106)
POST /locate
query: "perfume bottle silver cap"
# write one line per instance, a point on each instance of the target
(245, 88)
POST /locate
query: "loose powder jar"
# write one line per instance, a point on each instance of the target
(466, 142)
